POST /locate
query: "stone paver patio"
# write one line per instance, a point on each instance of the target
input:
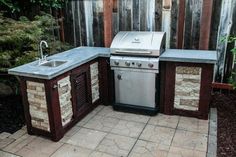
(108, 133)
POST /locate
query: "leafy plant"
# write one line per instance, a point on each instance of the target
(50, 3)
(232, 78)
(19, 39)
(19, 42)
(12, 6)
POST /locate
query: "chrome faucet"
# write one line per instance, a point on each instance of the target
(43, 58)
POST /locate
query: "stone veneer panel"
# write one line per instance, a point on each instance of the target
(64, 92)
(94, 81)
(38, 105)
(187, 88)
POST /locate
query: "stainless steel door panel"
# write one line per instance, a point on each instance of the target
(135, 88)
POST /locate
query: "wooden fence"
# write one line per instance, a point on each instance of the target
(186, 22)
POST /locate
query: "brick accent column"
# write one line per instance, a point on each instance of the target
(64, 93)
(37, 105)
(187, 88)
(94, 82)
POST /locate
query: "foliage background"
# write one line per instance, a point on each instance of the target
(19, 39)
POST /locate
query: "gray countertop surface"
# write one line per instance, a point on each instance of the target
(78, 56)
(74, 57)
(193, 56)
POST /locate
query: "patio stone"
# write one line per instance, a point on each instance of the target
(164, 120)
(4, 135)
(210, 155)
(212, 145)
(102, 123)
(100, 154)
(116, 145)
(160, 135)
(99, 108)
(193, 124)
(39, 147)
(19, 143)
(70, 133)
(128, 128)
(6, 141)
(6, 154)
(68, 150)
(213, 128)
(87, 138)
(135, 117)
(18, 134)
(181, 152)
(109, 112)
(90, 115)
(190, 140)
(149, 149)
(86, 118)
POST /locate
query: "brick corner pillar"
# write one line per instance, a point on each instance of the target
(205, 28)
(107, 15)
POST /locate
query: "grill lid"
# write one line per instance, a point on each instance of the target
(138, 43)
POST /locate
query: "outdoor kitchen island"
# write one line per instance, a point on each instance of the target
(56, 97)
(186, 77)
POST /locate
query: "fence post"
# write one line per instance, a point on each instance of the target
(107, 11)
(205, 28)
(180, 26)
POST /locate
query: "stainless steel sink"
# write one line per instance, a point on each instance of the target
(53, 63)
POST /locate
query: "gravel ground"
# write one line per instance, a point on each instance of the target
(226, 127)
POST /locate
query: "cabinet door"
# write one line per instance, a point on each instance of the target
(64, 93)
(81, 90)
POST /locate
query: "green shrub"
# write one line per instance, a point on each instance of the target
(19, 40)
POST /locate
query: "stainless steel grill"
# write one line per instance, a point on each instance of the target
(138, 43)
(134, 59)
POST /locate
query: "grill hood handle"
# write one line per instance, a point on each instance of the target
(137, 52)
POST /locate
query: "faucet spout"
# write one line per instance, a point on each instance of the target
(41, 50)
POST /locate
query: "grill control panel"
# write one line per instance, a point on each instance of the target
(135, 62)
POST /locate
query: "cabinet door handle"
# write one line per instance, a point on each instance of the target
(54, 86)
(119, 77)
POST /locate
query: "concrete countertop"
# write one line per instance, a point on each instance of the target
(193, 56)
(78, 56)
(74, 57)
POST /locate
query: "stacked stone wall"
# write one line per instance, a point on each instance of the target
(64, 92)
(38, 105)
(94, 81)
(187, 88)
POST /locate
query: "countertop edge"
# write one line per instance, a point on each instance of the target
(49, 77)
(191, 60)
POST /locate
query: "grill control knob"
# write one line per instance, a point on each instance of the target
(127, 63)
(139, 64)
(116, 62)
(150, 65)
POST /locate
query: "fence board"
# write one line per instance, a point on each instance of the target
(143, 15)
(84, 22)
(158, 15)
(136, 15)
(77, 25)
(192, 23)
(174, 24)
(68, 24)
(98, 25)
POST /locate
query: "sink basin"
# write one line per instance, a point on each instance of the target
(53, 63)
